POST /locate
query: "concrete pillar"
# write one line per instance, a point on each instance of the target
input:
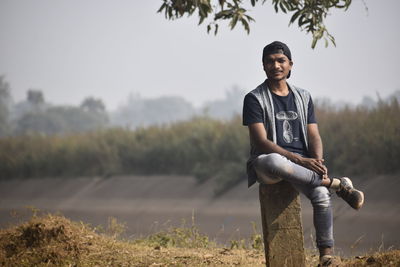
(282, 226)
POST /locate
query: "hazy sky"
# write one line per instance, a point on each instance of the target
(71, 49)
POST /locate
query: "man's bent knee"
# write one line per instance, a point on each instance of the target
(267, 166)
(268, 162)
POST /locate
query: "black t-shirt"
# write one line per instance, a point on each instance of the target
(288, 126)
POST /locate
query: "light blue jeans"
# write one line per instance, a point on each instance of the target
(272, 168)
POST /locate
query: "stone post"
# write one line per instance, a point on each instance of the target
(282, 226)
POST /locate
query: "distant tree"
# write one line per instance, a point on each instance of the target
(34, 103)
(35, 97)
(34, 116)
(4, 106)
(92, 104)
(142, 112)
(226, 108)
(96, 115)
(38, 123)
(60, 120)
(309, 14)
(77, 120)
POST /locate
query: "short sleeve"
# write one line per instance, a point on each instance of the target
(252, 111)
(311, 113)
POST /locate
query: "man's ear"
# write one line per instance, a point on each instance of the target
(291, 63)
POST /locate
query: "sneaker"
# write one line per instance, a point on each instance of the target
(353, 197)
(328, 260)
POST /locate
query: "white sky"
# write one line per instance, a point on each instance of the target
(71, 49)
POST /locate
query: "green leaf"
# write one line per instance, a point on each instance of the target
(225, 14)
(202, 18)
(170, 14)
(276, 7)
(295, 16)
(331, 38)
(245, 25)
(249, 18)
(314, 42)
(301, 20)
(282, 8)
(216, 29)
(161, 8)
(234, 21)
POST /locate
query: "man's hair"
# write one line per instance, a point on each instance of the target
(277, 48)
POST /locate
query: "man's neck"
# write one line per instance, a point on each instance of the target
(278, 87)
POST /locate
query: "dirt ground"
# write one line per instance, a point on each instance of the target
(150, 203)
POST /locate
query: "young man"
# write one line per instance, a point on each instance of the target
(286, 145)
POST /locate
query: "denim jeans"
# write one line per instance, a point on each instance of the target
(272, 168)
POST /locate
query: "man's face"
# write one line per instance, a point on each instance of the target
(277, 66)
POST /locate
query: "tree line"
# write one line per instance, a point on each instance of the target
(35, 115)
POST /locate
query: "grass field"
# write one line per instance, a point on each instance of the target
(53, 240)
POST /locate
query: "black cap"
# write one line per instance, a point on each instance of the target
(277, 48)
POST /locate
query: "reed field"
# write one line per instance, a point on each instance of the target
(356, 140)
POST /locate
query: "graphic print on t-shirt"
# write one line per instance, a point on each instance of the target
(287, 116)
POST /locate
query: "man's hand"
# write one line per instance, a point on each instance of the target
(325, 175)
(315, 165)
(315, 150)
(258, 136)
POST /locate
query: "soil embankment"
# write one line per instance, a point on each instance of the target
(150, 203)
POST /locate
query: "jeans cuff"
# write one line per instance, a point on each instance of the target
(325, 244)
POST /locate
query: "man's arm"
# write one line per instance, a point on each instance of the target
(315, 147)
(258, 136)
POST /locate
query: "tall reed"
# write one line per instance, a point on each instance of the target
(357, 141)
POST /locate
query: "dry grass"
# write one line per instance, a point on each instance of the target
(56, 241)
(389, 258)
(53, 240)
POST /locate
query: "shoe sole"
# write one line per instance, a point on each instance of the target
(361, 202)
(350, 183)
